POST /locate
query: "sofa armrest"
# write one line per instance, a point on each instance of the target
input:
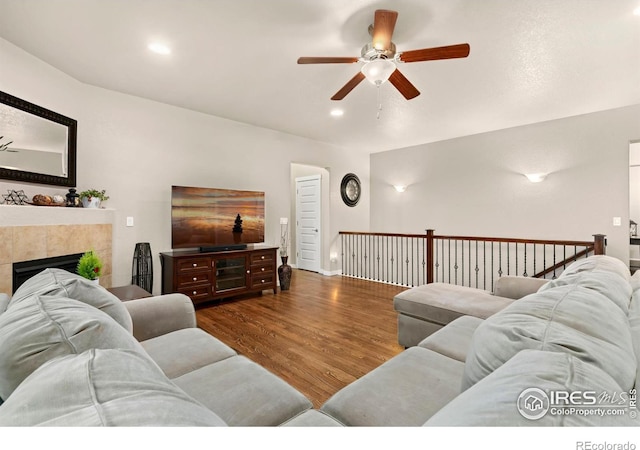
(162, 314)
(516, 287)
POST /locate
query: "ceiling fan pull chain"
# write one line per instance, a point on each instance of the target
(379, 103)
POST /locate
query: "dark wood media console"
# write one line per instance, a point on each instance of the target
(205, 276)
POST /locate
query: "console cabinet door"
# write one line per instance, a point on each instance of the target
(230, 274)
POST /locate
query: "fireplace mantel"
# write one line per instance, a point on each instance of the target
(22, 215)
(34, 232)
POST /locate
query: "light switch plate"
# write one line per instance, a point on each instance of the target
(617, 221)
(129, 221)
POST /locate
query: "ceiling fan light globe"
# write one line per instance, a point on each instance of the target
(378, 71)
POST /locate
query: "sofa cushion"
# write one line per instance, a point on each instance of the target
(404, 391)
(441, 302)
(243, 393)
(102, 388)
(494, 400)
(312, 418)
(185, 350)
(453, 340)
(40, 328)
(569, 319)
(58, 282)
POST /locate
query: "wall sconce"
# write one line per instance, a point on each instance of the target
(399, 187)
(536, 177)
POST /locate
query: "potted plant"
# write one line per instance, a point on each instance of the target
(90, 266)
(92, 198)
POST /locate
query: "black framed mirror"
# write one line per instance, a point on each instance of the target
(37, 145)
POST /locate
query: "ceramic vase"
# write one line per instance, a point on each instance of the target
(284, 274)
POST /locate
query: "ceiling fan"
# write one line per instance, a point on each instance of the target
(380, 58)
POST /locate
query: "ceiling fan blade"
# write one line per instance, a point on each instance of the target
(383, 24)
(352, 83)
(430, 54)
(326, 60)
(403, 85)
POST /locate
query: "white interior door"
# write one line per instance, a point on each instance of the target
(308, 214)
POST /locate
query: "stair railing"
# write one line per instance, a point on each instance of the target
(415, 259)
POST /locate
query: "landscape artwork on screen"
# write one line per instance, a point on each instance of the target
(208, 217)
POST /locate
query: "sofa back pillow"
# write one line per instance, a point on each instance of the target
(59, 282)
(103, 388)
(567, 319)
(634, 323)
(514, 395)
(40, 328)
(611, 285)
(517, 287)
(4, 302)
(601, 263)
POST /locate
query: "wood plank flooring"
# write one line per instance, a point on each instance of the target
(319, 336)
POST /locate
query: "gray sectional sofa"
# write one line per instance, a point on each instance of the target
(72, 354)
(577, 335)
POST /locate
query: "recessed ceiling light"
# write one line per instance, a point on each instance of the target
(337, 112)
(159, 48)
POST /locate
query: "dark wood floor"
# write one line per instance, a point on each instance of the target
(319, 336)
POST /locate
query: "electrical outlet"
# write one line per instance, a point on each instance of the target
(129, 221)
(617, 221)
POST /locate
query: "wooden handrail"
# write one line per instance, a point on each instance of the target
(369, 233)
(597, 243)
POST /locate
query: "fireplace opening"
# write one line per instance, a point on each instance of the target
(22, 271)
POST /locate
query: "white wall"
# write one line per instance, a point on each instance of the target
(474, 185)
(136, 149)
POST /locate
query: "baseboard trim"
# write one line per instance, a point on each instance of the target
(331, 273)
(327, 273)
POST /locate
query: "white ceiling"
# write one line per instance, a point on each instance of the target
(530, 60)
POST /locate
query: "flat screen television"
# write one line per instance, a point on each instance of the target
(216, 219)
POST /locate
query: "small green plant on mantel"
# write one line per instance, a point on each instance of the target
(89, 265)
(102, 195)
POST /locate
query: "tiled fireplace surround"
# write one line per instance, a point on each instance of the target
(35, 232)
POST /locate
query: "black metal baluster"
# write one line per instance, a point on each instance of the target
(477, 268)
(437, 261)
(492, 265)
(554, 262)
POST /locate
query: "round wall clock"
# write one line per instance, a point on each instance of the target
(350, 189)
